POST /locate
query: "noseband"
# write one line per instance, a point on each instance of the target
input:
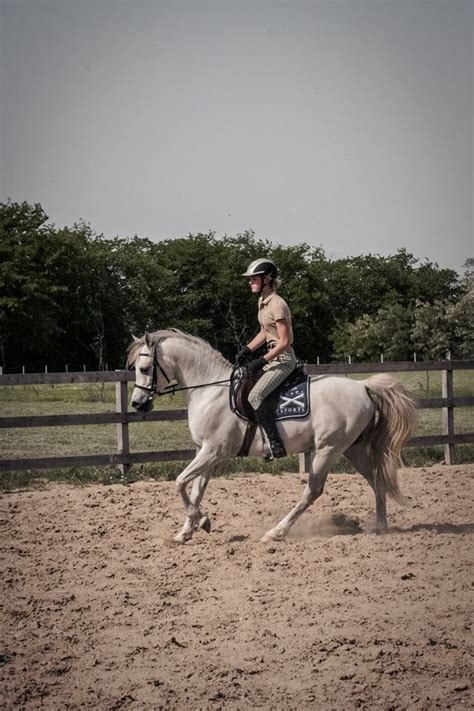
(154, 378)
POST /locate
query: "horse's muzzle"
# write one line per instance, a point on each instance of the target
(143, 406)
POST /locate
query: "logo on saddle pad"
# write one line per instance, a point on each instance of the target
(290, 399)
(293, 401)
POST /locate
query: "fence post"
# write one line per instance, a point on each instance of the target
(305, 462)
(448, 411)
(123, 442)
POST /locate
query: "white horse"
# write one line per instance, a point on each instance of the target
(344, 419)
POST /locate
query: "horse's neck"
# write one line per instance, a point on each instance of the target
(197, 366)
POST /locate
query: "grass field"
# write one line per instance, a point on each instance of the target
(94, 439)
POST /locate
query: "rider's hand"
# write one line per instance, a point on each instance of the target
(243, 355)
(256, 365)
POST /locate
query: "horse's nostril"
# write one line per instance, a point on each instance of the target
(134, 404)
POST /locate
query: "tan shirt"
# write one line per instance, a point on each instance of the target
(270, 310)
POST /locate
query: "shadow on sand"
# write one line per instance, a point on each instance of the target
(339, 524)
(436, 527)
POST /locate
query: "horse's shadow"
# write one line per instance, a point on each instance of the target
(339, 524)
(237, 539)
(436, 527)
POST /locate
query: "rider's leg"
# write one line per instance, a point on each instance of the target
(274, 374)
(266, 418)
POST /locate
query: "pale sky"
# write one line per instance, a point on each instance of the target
(346, 124)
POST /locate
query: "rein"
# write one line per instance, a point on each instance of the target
(172, 389)
(169, 389)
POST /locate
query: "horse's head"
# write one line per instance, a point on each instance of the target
(150, 377)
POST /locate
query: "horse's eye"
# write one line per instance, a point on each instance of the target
(144, 371)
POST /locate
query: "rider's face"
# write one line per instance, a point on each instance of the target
(255, 283)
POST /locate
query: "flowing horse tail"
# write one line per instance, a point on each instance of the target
(394, 425)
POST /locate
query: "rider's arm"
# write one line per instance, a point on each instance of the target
(257, 341)
(283, 339)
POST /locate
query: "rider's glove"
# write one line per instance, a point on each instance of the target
(243, 355)
(256, 365)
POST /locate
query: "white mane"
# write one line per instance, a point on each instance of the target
(210, 357)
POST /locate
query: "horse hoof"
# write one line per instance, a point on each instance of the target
(205, 524)
(181, 538)
(272, 536)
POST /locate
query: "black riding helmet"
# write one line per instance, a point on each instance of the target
(262, 267)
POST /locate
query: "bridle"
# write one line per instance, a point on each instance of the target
(169, 389)
(151, 389)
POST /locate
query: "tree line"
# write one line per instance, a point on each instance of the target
(71, 296)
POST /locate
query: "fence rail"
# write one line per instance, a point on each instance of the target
(124, 458)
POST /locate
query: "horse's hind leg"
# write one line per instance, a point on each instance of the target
(359, 455)
(320, 466)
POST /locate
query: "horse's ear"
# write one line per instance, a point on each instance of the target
(148, 340)
(135, 338)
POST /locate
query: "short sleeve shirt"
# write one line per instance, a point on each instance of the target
(270, 310)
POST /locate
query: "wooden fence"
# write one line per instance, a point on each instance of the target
(123, 457)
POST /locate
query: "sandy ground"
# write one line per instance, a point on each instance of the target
(102, 611)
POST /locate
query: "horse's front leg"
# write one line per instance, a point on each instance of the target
(198, 471)
(193, 522)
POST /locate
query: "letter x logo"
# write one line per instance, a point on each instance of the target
(297, 401)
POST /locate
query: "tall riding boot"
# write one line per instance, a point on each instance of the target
(266, 418)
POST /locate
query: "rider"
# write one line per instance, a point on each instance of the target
(277, 333)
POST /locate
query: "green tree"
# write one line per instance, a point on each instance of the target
(28, 298)
(71, 296)
(431, 329)
(60, 293)
(303, 274)
(461, 316)
(363, 284)
(368, 337)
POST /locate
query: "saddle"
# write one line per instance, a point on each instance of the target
(290, 399)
